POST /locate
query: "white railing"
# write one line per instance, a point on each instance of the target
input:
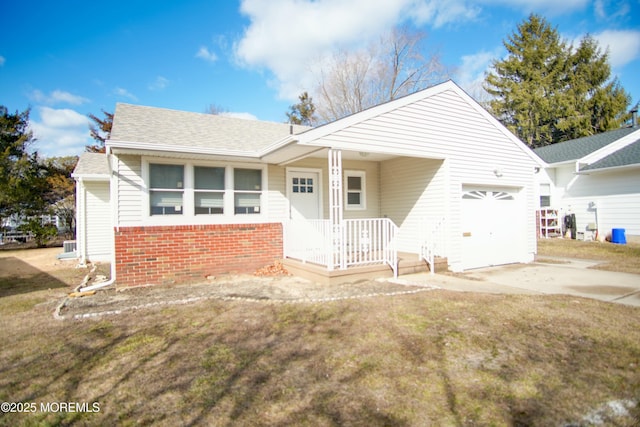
(308, 240)
(432, 241)
(370, 241)
(353, 242)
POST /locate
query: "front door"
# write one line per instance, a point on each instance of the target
(303, 188)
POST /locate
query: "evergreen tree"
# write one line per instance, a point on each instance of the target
(302, 113)
(593, 103)
(22, 177)
(100, 131)
(546, 91)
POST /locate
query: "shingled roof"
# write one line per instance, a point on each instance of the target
(629, 155)
(151, 125)
(577, 148)
(94, 165)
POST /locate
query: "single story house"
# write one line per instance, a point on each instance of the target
(180, 196)
(596, 178)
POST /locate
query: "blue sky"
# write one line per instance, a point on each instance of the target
(66, 59)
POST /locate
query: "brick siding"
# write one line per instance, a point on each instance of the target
(190, 253)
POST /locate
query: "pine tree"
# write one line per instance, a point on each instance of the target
(524, 84)
(22, 177)
(100, 131)
(546, 91)
(302, 113)
(594, 103)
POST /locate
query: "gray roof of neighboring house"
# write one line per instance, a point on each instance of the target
(134, 123)
(629, 155)
(578, 148)
(93, 164)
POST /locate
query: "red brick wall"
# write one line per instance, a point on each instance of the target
(190, 253)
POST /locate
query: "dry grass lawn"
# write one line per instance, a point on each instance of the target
(614, 257)
(433, 358)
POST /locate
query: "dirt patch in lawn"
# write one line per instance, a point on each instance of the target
(280, 289)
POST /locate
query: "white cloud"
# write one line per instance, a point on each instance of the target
(624, 46)
(124, 94)
(471, 74)
(159, 83)
(206, 54)
(60, 132)
(2, 60)
(247, 116)
(57, 97)
(617, 10)
(290, 38)
(546, 7)
(286, 35)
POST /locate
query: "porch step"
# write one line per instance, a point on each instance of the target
(407, 264)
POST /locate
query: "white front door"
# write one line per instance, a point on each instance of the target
(303, 189)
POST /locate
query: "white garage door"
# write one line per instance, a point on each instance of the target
(492, 227)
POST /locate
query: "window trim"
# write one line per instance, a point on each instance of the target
(363, 191)
(188, 215)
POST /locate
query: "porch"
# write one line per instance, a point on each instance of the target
(358, 249)
(382, 217)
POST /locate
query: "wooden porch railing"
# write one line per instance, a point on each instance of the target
(360, 242)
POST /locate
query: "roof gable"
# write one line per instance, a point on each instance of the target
(577, 148)
(451, 113)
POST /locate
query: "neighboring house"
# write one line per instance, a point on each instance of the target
(194, 195)
(597, 178)
(94, 212)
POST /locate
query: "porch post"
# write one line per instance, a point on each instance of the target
(337, 255)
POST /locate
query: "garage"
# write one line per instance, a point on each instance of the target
(492, 229)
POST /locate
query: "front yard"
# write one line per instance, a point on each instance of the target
(432, 358)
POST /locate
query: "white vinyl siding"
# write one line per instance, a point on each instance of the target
(413, 191)
(276, 194)
(128, 174)
(98, 227)
(616, 195)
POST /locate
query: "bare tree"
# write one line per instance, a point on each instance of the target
(393, 67)
(215, 109)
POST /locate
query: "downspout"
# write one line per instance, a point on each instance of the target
(111, 281)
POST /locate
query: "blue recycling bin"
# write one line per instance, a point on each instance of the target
(617, 236)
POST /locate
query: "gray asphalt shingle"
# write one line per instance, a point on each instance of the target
(577, 148)
(134, 123)
(92, 164)
(629, 155)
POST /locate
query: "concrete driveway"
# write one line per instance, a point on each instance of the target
(563, 276)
